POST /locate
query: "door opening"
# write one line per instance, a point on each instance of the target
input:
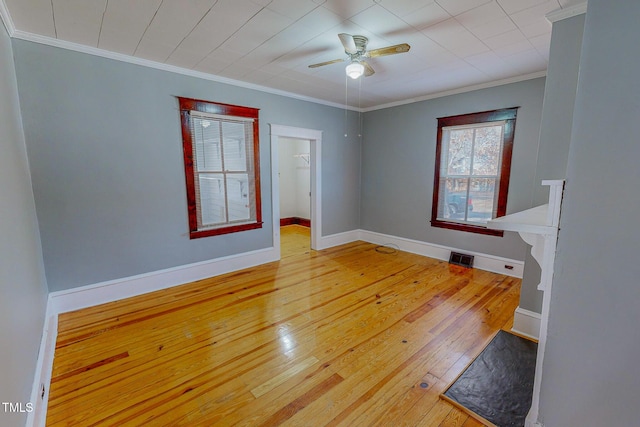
(294, 172)
(314, 139)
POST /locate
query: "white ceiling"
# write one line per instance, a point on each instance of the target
(454, 43)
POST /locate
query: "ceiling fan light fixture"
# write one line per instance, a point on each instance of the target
(355, 70)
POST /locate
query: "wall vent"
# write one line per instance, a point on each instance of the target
(461, 259)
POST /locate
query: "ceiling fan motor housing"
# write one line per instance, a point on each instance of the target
(361, 44)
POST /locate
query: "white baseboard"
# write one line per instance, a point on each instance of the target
(530, 423)
(339, 239)
(113, 290)
(44, 366)
(485, 262)
(527, 323)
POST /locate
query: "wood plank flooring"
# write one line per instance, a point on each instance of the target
(349, 336)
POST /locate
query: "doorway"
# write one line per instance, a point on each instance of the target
(295, 195)
(314, 138)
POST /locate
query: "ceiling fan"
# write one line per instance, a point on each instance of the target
(356, 49)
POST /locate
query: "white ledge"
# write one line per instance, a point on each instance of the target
(532, 220)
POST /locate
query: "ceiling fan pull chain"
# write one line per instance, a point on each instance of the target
(346, 103)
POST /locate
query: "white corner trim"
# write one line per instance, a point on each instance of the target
(113, 290)
(567, 12)
(44, 367)
(6, 19)
(481, 261)
(526, 323)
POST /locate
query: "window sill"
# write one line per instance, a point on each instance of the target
(196, 234)
(478, 229)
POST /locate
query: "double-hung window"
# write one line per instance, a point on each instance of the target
(220, 147)
(473, 164)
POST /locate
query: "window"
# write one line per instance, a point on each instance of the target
(221, 150)
(473, 164)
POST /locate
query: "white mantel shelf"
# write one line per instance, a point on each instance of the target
(532, 220)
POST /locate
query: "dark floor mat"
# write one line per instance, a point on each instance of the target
(498, 384)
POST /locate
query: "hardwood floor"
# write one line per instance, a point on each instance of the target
(349, 336)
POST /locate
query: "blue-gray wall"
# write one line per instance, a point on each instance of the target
(23, 289)
(590, 375)
(104, 142)
(555, 131)
(398, 160)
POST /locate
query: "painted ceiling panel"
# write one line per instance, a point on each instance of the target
(294, 9)
(402, 8)
(382, 23)
(308, 27)
(32, 16)
(79, 21)
(264, 25)
(124, 23)
(513, 6)
(427, 16)
(221, 22)
(347, 9)
(535, 15)
(493, 28)
(456, 7)
(173, 22)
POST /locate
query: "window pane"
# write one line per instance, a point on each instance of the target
(458, 151)
(238, 197)
(234, 146)
(212, 199)
(486, 153)
(465, 199)
(482, 200)
(207, 144)
(453, 203)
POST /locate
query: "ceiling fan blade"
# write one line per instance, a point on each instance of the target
(389, 50)
(320, 64)
(368, 70)
(348, 42)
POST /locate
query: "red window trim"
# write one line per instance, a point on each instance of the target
(509, 116)
(186, 106)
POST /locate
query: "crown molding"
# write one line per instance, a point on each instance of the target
(35, 38)
(457, 91)
(568, 12)
(6, 19)
(62, 44)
